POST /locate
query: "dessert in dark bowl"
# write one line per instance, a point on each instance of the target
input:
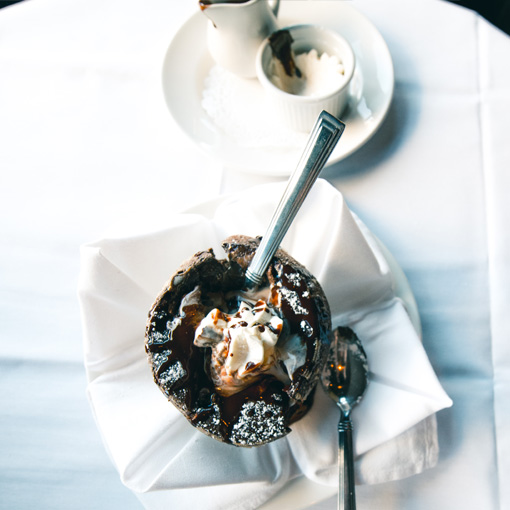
(241, 364)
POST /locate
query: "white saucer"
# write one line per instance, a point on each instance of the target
(187, 64)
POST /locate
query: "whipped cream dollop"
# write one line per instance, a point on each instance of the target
(242, 344)
(319, 75)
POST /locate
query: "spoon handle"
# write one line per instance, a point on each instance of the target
(321, 142)
(346, 494)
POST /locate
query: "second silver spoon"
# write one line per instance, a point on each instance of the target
(345, 379)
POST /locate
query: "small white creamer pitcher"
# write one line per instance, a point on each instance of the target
(236, 29)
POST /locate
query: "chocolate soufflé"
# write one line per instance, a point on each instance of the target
(241, 364)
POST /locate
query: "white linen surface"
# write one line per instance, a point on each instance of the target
(151, 443)
(85, 129)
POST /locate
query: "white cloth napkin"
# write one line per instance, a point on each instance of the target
(155, 448)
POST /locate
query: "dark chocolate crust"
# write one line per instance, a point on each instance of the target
(262, 412)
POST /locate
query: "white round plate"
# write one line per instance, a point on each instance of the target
(187, 64)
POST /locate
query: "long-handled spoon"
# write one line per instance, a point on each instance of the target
(345, 379)
(321, 142)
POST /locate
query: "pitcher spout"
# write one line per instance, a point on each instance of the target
(223, 12)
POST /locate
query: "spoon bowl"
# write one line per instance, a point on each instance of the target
(345, 380)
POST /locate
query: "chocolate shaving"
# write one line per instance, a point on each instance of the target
(281, 45)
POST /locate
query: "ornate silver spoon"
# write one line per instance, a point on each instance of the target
(345, 379)
(321, 142)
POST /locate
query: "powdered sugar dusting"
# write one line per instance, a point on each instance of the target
(294, 278)
(259, 422)
(159, 358)
(292, 299)
(212, 421)
(158, 337)
(306, 328)
(171, 375)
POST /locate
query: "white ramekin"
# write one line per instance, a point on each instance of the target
(301, 112)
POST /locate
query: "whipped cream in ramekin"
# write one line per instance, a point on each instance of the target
(319, 65)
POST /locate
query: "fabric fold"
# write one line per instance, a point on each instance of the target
(153, 446)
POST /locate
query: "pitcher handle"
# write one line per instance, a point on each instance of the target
(275, 6)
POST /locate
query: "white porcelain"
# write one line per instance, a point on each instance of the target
(187, 64)
(300, 112)
(236, 30)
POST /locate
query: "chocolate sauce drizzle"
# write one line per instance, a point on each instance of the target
(281, 46)
(206, 3)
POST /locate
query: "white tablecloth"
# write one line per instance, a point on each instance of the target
(87, 144)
